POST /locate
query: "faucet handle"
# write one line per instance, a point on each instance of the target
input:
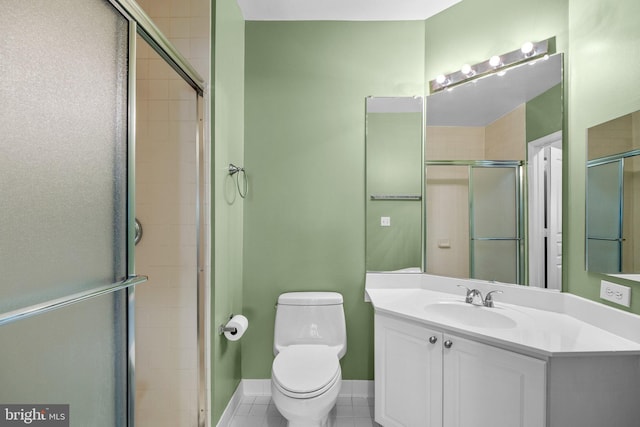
(469, 298)
(488, 299)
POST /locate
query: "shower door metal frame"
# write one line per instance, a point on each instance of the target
(616, 158)
(128, 283)
(518, 167)
(520, 209)
(141, 24)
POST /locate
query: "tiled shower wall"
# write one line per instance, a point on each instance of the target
(166, 306)
(186, 24)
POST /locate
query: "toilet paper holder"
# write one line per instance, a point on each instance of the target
(224, 328)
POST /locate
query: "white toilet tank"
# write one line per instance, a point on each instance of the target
(310, 318)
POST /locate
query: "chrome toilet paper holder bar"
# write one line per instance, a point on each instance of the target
(224, 328)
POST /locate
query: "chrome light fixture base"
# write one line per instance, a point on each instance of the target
(528, 52)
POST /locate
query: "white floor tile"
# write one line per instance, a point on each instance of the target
(259, 411)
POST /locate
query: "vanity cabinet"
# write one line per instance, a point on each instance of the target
(429, 378)
(408, 374)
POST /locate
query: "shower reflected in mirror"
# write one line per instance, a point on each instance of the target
(493, 162)
(613, 197)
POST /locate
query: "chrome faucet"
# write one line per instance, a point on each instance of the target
(473, 294)
(488, 300)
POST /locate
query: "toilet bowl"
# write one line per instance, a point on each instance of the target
(310, 339)
(305, 383)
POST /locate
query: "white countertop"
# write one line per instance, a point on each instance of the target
(537, 322)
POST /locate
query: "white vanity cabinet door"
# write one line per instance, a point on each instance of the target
(489, 387)
(408, 373)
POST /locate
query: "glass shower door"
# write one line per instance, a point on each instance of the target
(474, 223)
(166, 329)
(64, 227)
(494, 201)
(604, 216)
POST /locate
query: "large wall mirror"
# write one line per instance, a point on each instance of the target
(493, 180)
(394, 144)
(613, 197)
(482, 198)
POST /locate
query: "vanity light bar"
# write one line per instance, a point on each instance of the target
(527, 52)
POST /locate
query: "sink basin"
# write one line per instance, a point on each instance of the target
(470, 315)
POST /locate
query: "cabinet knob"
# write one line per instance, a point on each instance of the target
(433, 339)
(448, 344)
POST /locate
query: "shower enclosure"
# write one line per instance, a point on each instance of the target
(167, 115)
(68, 163)
(612, 202)
(475, 219)
(610, 212)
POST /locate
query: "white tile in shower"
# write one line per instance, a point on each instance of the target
(180, 27)
(158, 89)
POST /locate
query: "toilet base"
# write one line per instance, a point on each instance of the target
(313, 412)
(308, 423)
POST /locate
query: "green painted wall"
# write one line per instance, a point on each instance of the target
(304, 218)
(543, 114)
(305, 84)
(228, 142)
(604, 71)
(393, 166)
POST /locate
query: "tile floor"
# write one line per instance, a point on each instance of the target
(259, 411)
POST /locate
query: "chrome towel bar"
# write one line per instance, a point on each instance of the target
(411, 197)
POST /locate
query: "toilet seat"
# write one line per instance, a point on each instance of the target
(305, 371)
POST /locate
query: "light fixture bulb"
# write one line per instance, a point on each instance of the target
(495, 61)
(441, 79)
(527, 49)
(467, 70)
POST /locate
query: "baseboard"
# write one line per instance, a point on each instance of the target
(227, 415)
(357, 388)
(248, 387)
(256, 387)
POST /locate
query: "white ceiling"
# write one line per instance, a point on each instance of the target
(341, 10)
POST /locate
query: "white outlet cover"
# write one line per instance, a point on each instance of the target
(615, 293)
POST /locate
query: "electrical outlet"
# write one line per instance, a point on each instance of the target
(615, 293)
(385, 221)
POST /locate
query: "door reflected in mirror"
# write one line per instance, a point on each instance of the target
(613, 196)
(493, 156)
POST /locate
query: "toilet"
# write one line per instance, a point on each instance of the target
(309, 340)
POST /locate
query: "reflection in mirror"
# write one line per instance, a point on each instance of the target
(613, 196)
(394, 183)
(493, 156)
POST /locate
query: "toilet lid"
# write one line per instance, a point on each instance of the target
(306, 369)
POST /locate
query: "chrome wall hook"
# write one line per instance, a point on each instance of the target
(233, 169)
